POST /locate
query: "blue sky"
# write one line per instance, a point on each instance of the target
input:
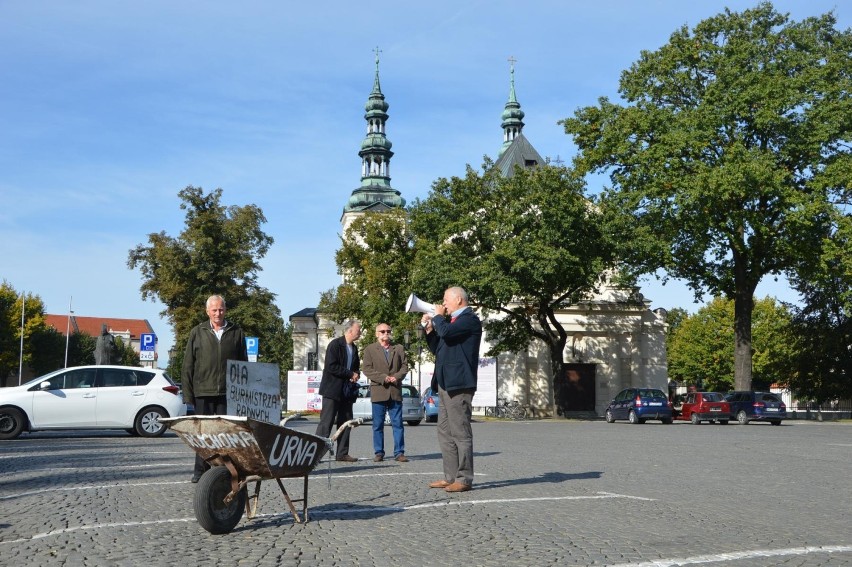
(109, 108)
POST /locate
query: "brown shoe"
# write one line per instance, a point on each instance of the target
(379, 458)
(401, 458)
(458, 487)
(439, 484)
(347, 459)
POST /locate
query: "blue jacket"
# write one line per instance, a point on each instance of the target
(456, 348)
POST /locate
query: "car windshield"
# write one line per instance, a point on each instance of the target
(650, 393)
(712, 397)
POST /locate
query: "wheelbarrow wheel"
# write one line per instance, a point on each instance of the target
(211, 511)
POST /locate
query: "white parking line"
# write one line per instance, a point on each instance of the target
(740, 555)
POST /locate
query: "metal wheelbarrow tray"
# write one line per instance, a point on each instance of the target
(242, 450)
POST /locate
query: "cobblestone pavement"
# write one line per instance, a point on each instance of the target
(549, 492)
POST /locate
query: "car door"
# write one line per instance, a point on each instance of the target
(688, 406)
(68, 402)
(121, 394)
(619, 410)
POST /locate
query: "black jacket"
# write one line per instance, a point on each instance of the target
(334, 372)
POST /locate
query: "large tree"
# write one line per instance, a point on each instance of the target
(375, 258)
(39, 354)
(524, 246)
(218, 252)
(732, 138)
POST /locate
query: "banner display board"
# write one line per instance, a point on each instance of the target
(254, 390)
(303, 390)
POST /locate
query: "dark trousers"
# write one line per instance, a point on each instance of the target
(335, 412)
(208, 405)
(455, 435)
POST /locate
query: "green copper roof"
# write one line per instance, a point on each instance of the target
(375, 192)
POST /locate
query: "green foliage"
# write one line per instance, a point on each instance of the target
(375, 258)
(701, 348)
(39, 352)
(726, 157)
(523, 247)
(822, 326)
(218, 252)
(674, 318)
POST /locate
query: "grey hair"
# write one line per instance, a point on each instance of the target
(214, 297)
(349, 323)
(460, 292)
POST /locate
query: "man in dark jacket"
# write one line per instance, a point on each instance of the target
(453, 335)
(203, 378)
(342, 364)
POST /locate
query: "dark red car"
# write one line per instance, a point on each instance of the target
(705, 406)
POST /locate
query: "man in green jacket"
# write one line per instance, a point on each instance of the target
(211, 344)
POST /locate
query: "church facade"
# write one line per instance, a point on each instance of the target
(615, 342)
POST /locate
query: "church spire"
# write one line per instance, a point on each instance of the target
(512, 114)
(375, 192)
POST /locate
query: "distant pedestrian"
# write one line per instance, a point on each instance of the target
(453, 335)
(203, 378)
(385, 365)
(342, 365)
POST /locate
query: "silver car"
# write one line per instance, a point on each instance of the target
(412, 410)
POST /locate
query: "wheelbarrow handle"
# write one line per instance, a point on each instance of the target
(351, 423)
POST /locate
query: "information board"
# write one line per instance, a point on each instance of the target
(254, 390)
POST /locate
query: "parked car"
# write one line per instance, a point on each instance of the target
(412, 411)
(762, 406)
(430, 402)
(92, 397)
(638, 405)
(704, 406)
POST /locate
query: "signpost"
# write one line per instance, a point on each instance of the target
(252, 344)
(147, 346)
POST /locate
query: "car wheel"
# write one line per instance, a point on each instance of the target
(775, 422)
(609, 417)
(633, 418)
(148, 422)
(742, 417)
(413, 422)
(12, 423)
(211, 511)
(432, 419)
(694, 419)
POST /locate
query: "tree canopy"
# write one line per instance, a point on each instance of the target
(700, 349)
(218, 252)
(729, 153)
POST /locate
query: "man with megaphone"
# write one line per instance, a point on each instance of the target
(453, 333)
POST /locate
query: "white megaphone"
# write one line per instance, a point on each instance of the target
(417, 305)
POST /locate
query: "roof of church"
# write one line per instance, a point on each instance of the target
(520, 152)
(92, 325)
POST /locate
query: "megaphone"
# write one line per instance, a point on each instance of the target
(417, 305)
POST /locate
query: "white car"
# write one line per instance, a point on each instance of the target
(412, 410)
(92, 397)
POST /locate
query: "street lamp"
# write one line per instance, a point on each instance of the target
(68, 329)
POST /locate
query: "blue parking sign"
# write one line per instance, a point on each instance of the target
(252, 345)
(147, 342)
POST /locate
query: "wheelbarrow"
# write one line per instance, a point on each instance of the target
(242, 450)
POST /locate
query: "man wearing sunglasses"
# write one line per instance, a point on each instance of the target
(385, 365)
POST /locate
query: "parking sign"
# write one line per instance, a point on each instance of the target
(252, 344)
(147, 346)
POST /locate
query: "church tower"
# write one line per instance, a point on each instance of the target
(516, 149)
(375, 192)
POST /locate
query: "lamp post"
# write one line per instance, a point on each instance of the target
(68, 329)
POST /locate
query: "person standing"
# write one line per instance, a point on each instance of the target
(342, 364)
(453, 335)
(385, 366)
(203, 375)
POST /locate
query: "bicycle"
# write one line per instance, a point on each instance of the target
(509, 409)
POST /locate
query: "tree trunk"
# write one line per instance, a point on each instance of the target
(743, 307)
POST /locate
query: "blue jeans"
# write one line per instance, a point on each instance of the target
(394, 409)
